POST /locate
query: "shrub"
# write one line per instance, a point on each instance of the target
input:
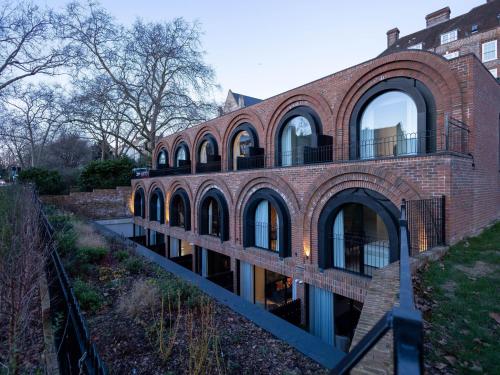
(134, 265)
(89, 298)
(171, 287)
(106, 174)
(122, 255)
(87, 236)
(91, 254)
(141, 299)
(46, 181)
(66, 241)
(60, 222)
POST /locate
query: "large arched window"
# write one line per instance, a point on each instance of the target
(157, 206)
(214, 215)
(244, 151)
(299, 138)
(358, 232)
(182, 158)
(139, 203)
(208, 155)
(394, 118)
(266, 223)
(162, 159)
(180, 210)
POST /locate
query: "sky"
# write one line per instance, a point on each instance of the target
(261, 48)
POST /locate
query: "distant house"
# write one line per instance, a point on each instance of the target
(236, 101)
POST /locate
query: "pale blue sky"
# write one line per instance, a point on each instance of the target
(263, 47)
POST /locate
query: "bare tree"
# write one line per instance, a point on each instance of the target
(28, 43)
(31, 117)
(157, 69)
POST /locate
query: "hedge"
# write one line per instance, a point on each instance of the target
(106, 174)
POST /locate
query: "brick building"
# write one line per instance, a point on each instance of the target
(477, 32)
(294, 201)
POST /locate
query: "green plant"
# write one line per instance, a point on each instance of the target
(91, 254)
(46, 181)
(60, 222)
(66, 242)
(134, 265)
(106, 174)
(173, 286)
(89, 298)
(122, 255)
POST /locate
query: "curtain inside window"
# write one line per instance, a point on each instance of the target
(286, 145)
(210, 217)
(158, 208)
(321, 314)
(174, 247)
(338, 241)
(203, 152)
(181, 155)
(204, 262)
(262, 225)
(152, 238)
(367, 141)
(246, 281)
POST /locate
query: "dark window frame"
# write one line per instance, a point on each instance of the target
(142, 197)
(223, 209)
(152, 206)
(188, 155)
(251, 131)
(211, 139)
(158, 165)
(381, 205)
(285, 237)
(426, 112)
(181, 194)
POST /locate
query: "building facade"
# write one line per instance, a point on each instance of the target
(294, 202)
(477, 32)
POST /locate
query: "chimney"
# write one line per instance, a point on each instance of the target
(438, 16)
(392, 36)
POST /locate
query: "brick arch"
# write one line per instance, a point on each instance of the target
(325, 187)
(162, 143)
(136, 186)
(216, 183)
(249, 116)
(171, 188)
(430, 69)
(204, 130)
(245, 192)
(147, 193)
(312, 100)
(182, 137)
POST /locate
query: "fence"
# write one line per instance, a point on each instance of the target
(426, 223)
(455, 138)
(76, 352)
(405, 321)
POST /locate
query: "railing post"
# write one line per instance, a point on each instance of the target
(446, 132)
(408, 341)
(443, 220)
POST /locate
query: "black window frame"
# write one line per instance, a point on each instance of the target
(275, 199)
(182, 195)
(142, 197)
(223, 209)
(255, 150)
(158, 165)
(188, 155)
(157, 192)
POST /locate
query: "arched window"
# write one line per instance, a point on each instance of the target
(182, 158)
(162, 159)
(266, 222)
(244, 151)
(395, 117)
(208, 155)
(206, 150)
(180, 210)
(214, 215)
(299, 139)
(139, 203)
(358, 232)
(157, 206)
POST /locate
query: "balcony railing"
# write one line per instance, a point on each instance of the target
(454, 139)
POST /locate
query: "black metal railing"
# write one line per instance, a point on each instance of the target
(405, 321)
(359, 253)
(426, 223)
(455, 139)
(76, 352)
(265, 235)
(289, 311)
(223, 279)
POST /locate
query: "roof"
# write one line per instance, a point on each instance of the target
(486, 17)
(247, 100)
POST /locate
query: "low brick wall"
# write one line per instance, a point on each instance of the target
(382, 295)
(98, 204)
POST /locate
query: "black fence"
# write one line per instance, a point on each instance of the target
(405, 321)
(75, 351)
(359, 253)
(223, 279)
(289, 311)
(454, 138)
(185, 261)
(426, 223)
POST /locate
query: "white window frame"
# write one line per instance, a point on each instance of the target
(451, 55)
(449, 36)
(494, 72)
(416, 46)
(484, 45)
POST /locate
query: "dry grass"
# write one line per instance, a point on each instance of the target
(87, 236)
(143, 298)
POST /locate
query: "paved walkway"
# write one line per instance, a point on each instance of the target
(298, 338)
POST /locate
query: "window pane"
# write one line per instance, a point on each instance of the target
(489, 50)
(388, 126)
(261, 221)
(296, 135)
(241, 147)
(181, 155)
(162, 158)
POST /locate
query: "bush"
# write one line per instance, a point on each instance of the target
(122, 255)
(91, 254)
(89, 298)
(142, 298)
(46, 181)
(106, 174)
(60, 222)
(66, 241)
(134, 266)
(171, 287)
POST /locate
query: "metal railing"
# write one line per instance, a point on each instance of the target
(455, 139)
(426, 223)
(405, 322)
(265, 235)
(76, 352)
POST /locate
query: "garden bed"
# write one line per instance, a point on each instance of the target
(144, 320)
